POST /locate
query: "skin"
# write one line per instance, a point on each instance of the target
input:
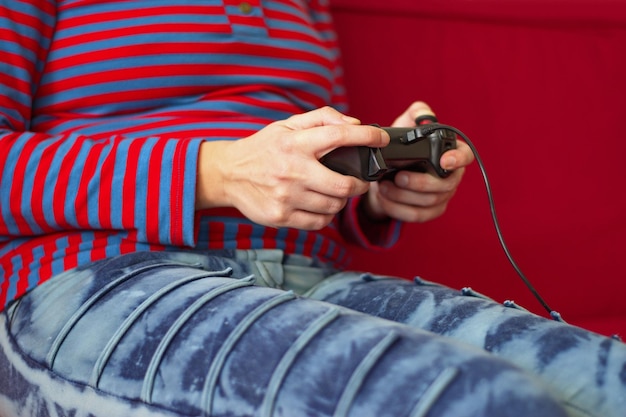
(274, 176)
(418, 197)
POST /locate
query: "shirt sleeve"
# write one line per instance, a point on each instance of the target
(60, 182)
(363, 232)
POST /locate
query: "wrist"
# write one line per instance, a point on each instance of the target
(367, 212)
(210, 191)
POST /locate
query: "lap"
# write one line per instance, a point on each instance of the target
(586, 370)
(194, 336)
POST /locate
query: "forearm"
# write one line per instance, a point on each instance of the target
(71, 182)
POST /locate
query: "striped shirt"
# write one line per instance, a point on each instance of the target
(103, 106)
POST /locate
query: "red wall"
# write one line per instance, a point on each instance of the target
(540, 88)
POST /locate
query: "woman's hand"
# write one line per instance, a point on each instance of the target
(274, 177)
(414, 196)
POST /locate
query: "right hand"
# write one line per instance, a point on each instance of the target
(274, 176)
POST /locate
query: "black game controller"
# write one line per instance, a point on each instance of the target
(413, 149)
(418, 149)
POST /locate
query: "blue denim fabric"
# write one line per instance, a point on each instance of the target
(185, 335)
(586, 370)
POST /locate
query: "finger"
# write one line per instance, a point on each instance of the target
(305, 210)
(419, 182)
(317, 203)
(306, 220)
(323, 139)
(325, 116)
(457, 158)
(416, 109)
(406, 197)
(332, 184)
(317, 196)
(412, 214)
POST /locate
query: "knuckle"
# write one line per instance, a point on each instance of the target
(335, 205)
(278, 212)
(345, 187)
(430, 200)
(319, 222)
(281, 197)
(449, 187)
(420, 217)
(278, 216)
(416, 216)
(377, 135)
(327, 110)
(336, 133)
(287, 146)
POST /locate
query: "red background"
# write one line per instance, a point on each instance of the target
(539, 86)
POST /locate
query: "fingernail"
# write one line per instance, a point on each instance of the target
(402, 180)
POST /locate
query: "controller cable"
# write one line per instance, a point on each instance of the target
(429, 128)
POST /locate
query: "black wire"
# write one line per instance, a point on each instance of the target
(436, 126)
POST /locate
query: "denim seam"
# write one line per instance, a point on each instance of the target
(364, 367)
(67, 328)
(133, 317)
(210, 382)
(434, 391)
(157, 357)
(281, 370)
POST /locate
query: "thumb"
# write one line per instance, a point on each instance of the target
(416, 109)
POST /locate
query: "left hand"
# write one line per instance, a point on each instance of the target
(415, 196)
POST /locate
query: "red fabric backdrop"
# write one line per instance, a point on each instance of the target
(540, 88)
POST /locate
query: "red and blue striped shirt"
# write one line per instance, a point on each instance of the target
(103, 105)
